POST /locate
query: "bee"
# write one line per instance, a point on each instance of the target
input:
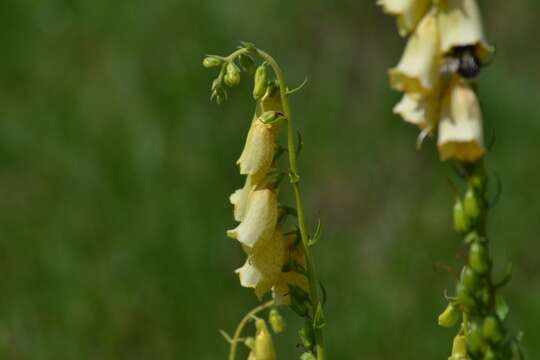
(462, 61)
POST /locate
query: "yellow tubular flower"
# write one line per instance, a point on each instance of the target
(260, 218)
(281, 288)
(408, 12)
(264, 347)
(460, 127)
(460, 24)
(459, 348)
(417, 70)
(258, 153)
(263, 267)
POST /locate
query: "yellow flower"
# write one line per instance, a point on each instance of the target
(460, 127)
(260, 218)
(264, 264)
(258, 153)
(408, 12)
(417, 71)
(460, 25)
(459, 348)
(264, 347)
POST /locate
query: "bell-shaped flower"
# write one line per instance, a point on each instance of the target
(258, 153)
(460, 134)
(417, 71)
(239, 199)
(408, 12)
(460, 24)
(264, 264)
(260, 218)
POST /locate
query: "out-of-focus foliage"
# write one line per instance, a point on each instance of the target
(115, 171)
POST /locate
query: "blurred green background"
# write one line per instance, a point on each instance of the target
(115, 171)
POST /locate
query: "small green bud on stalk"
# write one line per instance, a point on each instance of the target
(449, 316)
(461, 224)
(478, 258)
(470, 279)
(261, 82)
(471, 205)
(475, 339)
(459, 348)
(490, 355)
(492, 329)
(307, 356)
(276, 321)
(249, 342)
(465, 298)
(306, 335)
(211, 61)
(232, 76)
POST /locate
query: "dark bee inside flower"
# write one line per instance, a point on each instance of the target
(469, 64)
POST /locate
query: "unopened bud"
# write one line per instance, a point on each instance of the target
(211, 61)
(250, 342)
(475, 340)
(449, 316)
(459, 346)
(478, 258)
(470, 279)
(306, 335)
(307, 356)
(276, 321)
(261, 80)
(264, 348)
(471, 205)
(461, 224)
(465, 298)
(232, 76)
(492, 329)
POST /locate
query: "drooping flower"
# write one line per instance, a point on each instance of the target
(260, 218)
(460, 134)
(266, 259)
(239, 199)
(460, 25)
(417, 71)
(419, 109)
(264, 347)
(408, 12)
(258, 153)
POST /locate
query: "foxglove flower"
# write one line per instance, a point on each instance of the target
(417, 71)
(460, 129)
(258, 153)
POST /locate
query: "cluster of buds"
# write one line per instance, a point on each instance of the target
(444, 53)
(483, 308)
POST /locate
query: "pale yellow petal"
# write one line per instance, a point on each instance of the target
(260, 218)
(408, 12)
(460, 134)
(258, 153)
(269, 257)
(239, 199)
(417, 71)
(264, 347)
(460, 24)
(249, 275)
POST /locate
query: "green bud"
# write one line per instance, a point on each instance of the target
(211, 61)
(471, 205)
(470, 279)
(492, 329)
(449, 316)
(475, 339)
(247, 63)
(307, 356)
(276, 321)
(306, 335)
(249, 342)
(261, 82)
(489, 355)
(461, 224)
(465, 298)
(479, 258)
(459, 347)
(232, 76)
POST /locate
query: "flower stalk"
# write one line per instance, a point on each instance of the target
(277, 260)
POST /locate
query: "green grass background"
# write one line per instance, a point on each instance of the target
(115, 171)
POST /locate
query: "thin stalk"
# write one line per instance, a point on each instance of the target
(295, 181)
(243, 322)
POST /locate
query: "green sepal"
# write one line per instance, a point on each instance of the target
(313, 240)
(319, 321)
(501, 307)
(307, 356)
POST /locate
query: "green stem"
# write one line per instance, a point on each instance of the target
(243, 322)
(295, 181)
